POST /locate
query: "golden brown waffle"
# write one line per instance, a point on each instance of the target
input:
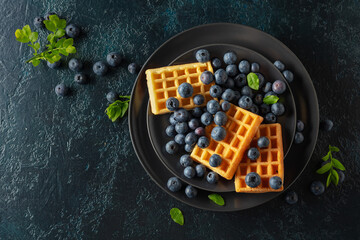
(163, 83)
(241, 127)
(269, 164)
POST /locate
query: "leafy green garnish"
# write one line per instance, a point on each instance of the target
(118, 108)
(253, 81)
(216, 198)
(270, 99)
(58, 44)
(333, 175)
(177, 216)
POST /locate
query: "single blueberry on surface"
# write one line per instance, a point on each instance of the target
(179, 138)
(263, 142)
(186, 160)
(188, 147)
(181, 115)
(112, 96)
(253, 153)
(247, 91)
(299, 126)
(133, 68)
(114, 59)
(245, 102)
(190, 191)
(200, 131)
(267, 87)
(61, 90)
(170, 131)
(193, 123)
(207, 77)
(197, 112)
(203, 142)
(181, 127)
(341, 176)
(212, 177)
(252, 179)
(231, 70)
(279, 87)
(275, 182)
(225, 106)
(172, 119)
(202, 55)
(189, 172)
(190, 138)
(299, 138)
(228, 95)
(200, 170)
(255, 67)
(54, 65)
(317, 188)
(213, 106)
(80, 78)
(278, 109)
(171, 147)
(215, 160)
(218, 133)
(206, 118)
(185, 90)
(100, 68)
(216, 63)
(75, 65)
(220, 118)
(240, 80)
(172, 104)
(288, 75)
(221, 76)
(291, 197)
(72, 31)
(258, 99)
(38, 22)
(199, 99)
(279, 65)
(215, 91)
(244, 66)
(174, 184)
(326, 124)
(270, 118)
(230, 57)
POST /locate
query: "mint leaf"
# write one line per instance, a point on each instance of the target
(324, 168)
(61, 24)
(26, 30)
(54, 19)
(68, 42)
(60, 33)
(33, 36)
(328, 180)
(336, 163)
(21, 36)
(117, 109)
(50, 25)
(177, 216)
(71, 49)
(325, 158)
(35, 62)
(37, 46)
(270, 99)
(334, 177)
(253, 81)
(216, 198)
(333, 149)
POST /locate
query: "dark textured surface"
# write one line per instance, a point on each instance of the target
(67, 172)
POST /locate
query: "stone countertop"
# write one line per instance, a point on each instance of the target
(67, 172)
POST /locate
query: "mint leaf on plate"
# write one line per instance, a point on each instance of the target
(253, 81)
(216, 198)
(270, 99)
(177, 216)
(324, 168)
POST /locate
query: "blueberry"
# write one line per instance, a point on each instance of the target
(225, 106)
(193, 123)
(263, 142)
(240, 80)
(112, 96)
(75, 64)
(230, 57)
(264, 109)
(100, 68)
(181, 115)
(213, 106)
(133, 68)
(255, 67)
(252, 179)
(38, 22)
(207, 77)
(216, 63)
(200, 170)
(215, 160)
(172, 104)
(288, 75)
(253, 153)
(202, 55)
(54, 65)
(114, 59)
(206, 118)
(299, 126)
(47, 16)
(291, 197)
(220, 118)
(181, 127)
(172, 119)
(237, 96)
(229, 83)
(278, 109)
(72, 31)
(61, 90)
(200, 131)
(179, 138)
(275, 182)
(220, 76)
(197, 112)
(80, 78)
(244, 66)
(231, 70)
(299, 138)
(171, 147)
(279, 65)
(212, 177)
(189, 172)
(279, 87)
(170, 131)
(326, 125)
(246, 91)
(203, 142)
(186, 160)
(188, 148)
(228, 95)
(215, 91)
(190, 191)
(190, 138)
(254, 109)
(174, 184)
(270, 93)
(245, 102)
(218, 133)
(270, 118)
(258, 99)
(185, 90)
(199, 99)
(261, 79)
(317, 188)
(267, 87)
(341, 176)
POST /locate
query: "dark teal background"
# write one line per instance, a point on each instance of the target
(67, 172)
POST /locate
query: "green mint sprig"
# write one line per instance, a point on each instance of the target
(333, 176)
(216, 198)
(253, 81)
(118, 108)
(58, 44)
(270, 99)
(177, 216)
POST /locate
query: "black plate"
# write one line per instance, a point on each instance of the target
(157, 123)
(220, 33)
